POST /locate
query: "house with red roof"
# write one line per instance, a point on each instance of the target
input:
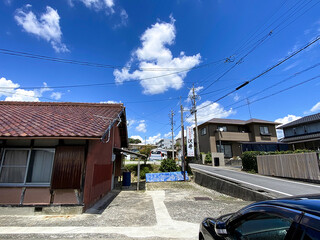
(59, 153)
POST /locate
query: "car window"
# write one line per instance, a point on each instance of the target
(311, 234)
(260, 226)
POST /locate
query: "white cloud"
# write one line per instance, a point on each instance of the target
(110, 101)
(149, 140)
(168, 135)
(46, 27)
(155, 54)
(56, 95)
(23, 95)
(236, 97)
(8, 2)
(214, 110)
(315, 108)
(99, 5)
(285, 120)
(137, 137)
(142, 126)
(154, 139)
(130, 122)
(10, 91)
(123, 19)
(291, 66)
(179, 134)
(7, 85)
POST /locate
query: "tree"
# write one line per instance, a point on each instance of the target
(134, 140)
(146, 151)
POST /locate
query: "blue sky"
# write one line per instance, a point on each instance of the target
(156, 51)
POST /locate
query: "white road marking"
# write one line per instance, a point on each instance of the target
(279, 179)
(236, 180)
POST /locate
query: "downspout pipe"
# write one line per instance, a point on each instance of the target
(107, 132)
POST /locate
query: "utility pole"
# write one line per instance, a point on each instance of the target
(249, 107)
(194, 98)
(172, 123)
(183, 165)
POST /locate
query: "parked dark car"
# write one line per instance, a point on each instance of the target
(287, 218)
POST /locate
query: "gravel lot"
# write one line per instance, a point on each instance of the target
(133, 209)
(182, 206)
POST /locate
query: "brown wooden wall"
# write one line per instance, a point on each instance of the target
(68, 166)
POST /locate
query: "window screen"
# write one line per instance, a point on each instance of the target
(22, 166)
(14, 166)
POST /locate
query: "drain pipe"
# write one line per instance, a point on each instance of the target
(107, 132)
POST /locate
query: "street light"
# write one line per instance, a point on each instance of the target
(220, 130)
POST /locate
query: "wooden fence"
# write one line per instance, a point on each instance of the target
(298, 166)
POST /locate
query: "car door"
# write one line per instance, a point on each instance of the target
(262, 223)
(309, 228)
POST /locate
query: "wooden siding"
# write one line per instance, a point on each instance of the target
(298, 166)
(67, 168)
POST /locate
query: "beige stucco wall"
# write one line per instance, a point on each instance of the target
(257, 137)
(233, 136)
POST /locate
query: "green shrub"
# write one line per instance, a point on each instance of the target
(208, 158)
(249, 160)
(168, 165)
(147, 168)
(143, 172)
(132, 168)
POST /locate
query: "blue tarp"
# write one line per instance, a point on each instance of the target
(165, 177)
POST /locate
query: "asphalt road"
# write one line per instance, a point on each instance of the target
(280, 187)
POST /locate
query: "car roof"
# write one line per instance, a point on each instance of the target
(305, 203)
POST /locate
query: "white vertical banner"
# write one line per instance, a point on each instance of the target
(190, 142)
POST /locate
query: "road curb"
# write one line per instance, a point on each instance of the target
(230, 188)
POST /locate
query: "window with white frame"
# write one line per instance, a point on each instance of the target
(203, 131)
(264, 130)
(26, 166)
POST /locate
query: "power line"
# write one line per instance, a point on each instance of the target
(276, 84)
(267, 20)
(99, 65)
(259, 42)
(299, 5)
(239, 61)
(266, 71)
(283, 90)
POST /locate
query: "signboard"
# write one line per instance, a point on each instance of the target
(190, 142)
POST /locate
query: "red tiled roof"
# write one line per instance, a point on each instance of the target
(55, 119)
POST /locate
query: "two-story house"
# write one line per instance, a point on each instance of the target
(303, 133)
(232, 136)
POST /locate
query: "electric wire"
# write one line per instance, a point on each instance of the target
(276, 84)
(266, 71)
(280, 91)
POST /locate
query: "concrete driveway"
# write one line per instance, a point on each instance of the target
(163, 211)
